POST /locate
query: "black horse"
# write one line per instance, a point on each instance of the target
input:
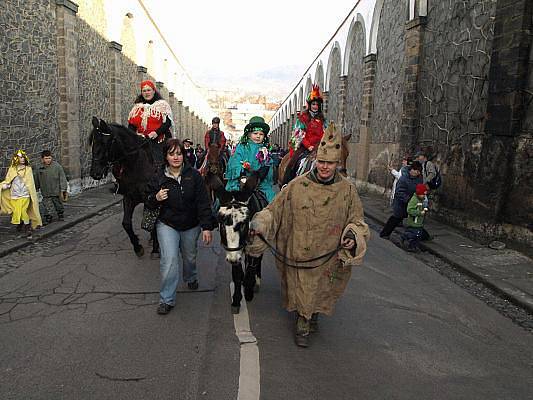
(236, 211)
(130, 157)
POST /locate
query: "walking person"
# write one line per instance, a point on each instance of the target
(405, 188)
(179, 192)
(252, 158)
(151, 117)
(51, 180)
(18, 196)
(317, 217)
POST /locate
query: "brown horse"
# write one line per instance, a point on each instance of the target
(311, 157)
(213, 171)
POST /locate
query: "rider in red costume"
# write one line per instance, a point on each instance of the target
(151, 117)
(215, 135)
(307, 133)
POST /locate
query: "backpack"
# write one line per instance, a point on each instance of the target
(436, 182)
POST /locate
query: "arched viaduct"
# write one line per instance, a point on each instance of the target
(452, 77)
(65, 61)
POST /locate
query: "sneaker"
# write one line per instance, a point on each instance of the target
(193, 285)
(164, 308)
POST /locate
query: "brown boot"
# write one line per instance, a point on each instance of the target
(302, 332)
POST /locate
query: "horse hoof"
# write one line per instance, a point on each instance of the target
(235, 309)
(140, 251)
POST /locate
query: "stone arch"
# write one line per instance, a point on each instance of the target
(301, 98)
(374, 28)
(358, 24)
(334, 58)
(319, 75)
(388, 89)
(333, 83)
(296, 103)
(127, 37)
(355, 53)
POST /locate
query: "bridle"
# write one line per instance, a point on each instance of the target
(107, 157)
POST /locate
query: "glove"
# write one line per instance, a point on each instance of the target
(6, 186)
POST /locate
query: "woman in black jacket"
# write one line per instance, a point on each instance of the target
(185, 210)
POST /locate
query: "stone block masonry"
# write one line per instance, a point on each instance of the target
(58, 70)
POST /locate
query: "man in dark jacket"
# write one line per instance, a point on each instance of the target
(190, 156)
(50, 178)
(405, 188)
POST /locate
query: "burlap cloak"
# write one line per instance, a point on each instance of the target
(305, 220)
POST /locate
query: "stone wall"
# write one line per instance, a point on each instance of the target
(59, 70)
(388, 91)
(354, 87)
(28, 70)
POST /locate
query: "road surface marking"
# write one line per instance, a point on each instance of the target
(249, 375)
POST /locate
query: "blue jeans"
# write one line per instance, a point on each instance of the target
(172, 243)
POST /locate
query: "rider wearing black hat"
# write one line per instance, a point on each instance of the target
(215, 135)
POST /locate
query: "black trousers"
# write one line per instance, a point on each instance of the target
(391, 224)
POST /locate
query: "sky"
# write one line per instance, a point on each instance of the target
(261, 45)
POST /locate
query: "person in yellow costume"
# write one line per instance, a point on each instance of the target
(18, 196)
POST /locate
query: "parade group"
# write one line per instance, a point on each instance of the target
(314, 213)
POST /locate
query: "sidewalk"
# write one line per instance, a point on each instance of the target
(508, 272)
(78, 208)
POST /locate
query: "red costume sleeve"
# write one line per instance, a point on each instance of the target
(222, 140)
(206, 140)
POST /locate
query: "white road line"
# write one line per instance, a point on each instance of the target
(249, 375)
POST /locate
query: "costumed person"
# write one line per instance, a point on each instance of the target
(18, 196)
(151, 117)
(316, 225)
(252, 158)
(307, 132)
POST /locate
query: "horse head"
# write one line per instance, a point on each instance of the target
(100, 138)
(234, 217)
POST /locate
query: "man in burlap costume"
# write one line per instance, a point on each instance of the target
(318, 213)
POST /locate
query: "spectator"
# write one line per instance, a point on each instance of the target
(51, 180)
(429, 171)
(190, 156)
(405, 188)
(416, 210)
(404, 171)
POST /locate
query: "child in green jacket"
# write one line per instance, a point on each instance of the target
(416, 211)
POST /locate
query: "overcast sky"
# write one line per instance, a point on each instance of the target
(220, 41)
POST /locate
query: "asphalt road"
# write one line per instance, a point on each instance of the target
(78, 321)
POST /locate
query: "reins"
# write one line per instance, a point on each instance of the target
(293, 263)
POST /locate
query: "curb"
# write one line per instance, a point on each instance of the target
(7, 249)
(502, 292)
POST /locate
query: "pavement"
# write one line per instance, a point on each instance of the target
(508, 272)
(78, 208)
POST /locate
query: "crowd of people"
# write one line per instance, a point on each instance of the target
(313, 214)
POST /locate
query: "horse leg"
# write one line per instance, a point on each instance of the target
(129, 207)
(237, 276)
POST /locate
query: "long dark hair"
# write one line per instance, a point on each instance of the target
(319, 113)
(141, 99)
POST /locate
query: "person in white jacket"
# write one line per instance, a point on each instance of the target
(406, 161)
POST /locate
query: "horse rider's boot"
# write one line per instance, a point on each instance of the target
(302, 332)
(313, 323)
